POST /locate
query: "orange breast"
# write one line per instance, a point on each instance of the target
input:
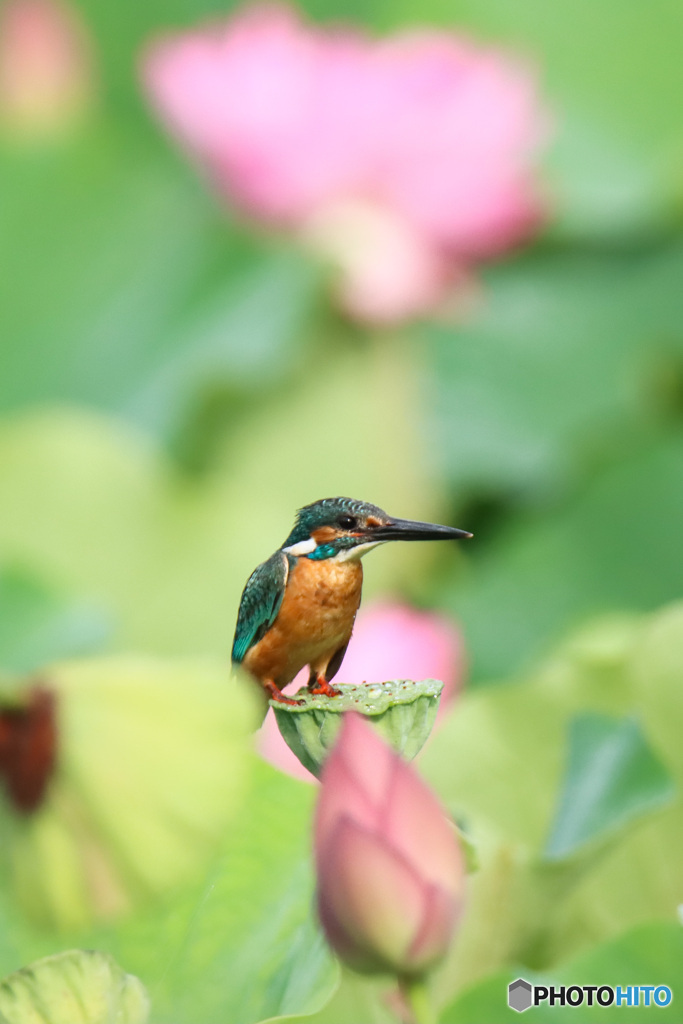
(315, 620)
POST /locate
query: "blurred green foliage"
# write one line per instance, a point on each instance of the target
(235, 942)
(38, 624)
(124, 819)
(76, 987)
(646, 952)
(173, 386)
(559, 854)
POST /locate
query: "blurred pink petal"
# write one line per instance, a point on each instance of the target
(457, 162)
(436, 928)
(391, 640)
(368, 776)
(45, 67)
(264, 101)
(361, 757)
(389, 889)
(402, 162)
(416, 826)
(384, 269)
(372, 894)
(346, 799)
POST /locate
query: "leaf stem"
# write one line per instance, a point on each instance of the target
(417, 999)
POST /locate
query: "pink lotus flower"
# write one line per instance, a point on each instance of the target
(391, 640)
(45, 67)
(390, 871)
(403, 161)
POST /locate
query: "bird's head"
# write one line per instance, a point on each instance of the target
(345, 528)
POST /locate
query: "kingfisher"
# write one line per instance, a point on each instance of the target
(298, 607)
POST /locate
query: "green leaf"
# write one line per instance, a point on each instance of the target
(38, 625)
(132, 232)
(156, 296)
(554, 324)
(210, 341)
(542, 576)
(210, 380)
(612, 777)
(76, 987)
(497, 760)
(151, 769)
(658, 670)
(358, 998)
(238, 942)
(241, 945)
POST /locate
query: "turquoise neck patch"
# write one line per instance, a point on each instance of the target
(324, 551)
(333, 548)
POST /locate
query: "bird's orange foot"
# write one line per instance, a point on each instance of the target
(274, 694)
(323, 687)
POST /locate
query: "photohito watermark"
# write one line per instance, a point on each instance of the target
(522, 995)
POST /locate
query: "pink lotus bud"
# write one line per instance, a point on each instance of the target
(390, 871)
(391, 640)
(402, 162)
(45, 68)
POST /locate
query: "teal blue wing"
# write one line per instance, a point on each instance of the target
(261, 600)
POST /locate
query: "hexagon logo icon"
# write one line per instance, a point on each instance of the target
(519, 995)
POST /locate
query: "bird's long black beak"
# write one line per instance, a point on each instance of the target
(406, 529)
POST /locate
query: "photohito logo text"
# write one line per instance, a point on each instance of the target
(522, 995)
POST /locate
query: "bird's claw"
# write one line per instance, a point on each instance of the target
(286, 700)
(279, 698)
(323, 688)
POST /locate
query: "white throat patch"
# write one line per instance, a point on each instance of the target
(355, 554)
(307, 547)
(304, 547)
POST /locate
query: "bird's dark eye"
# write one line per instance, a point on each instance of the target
(347, 522)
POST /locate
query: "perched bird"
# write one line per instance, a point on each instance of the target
(299, 606)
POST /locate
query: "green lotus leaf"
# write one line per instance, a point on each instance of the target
(612, 778)
(151, 768)
(39, 624)
(401, 710)
(76, 987)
